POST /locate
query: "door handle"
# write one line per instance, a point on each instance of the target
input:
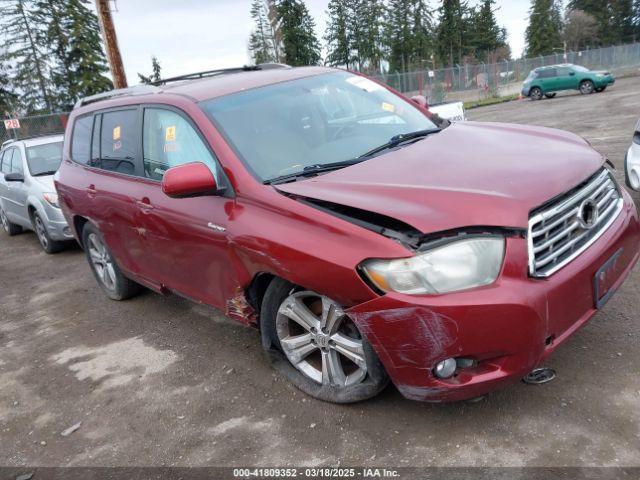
(144, 204)
(91, 190)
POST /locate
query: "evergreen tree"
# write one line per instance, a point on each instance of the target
(338, 35)
(77, 61)
(408, 34)
(615, 18)
(8, 98)
(261, 41)
(299, 41)
(453, 32)
(156, 72)
(26, 55)
(371, 47)
(543, 35)
(486, 35)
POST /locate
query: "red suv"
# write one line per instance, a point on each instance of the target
(365, 238)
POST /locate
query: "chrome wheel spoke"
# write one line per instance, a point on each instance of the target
(350, 348)
(332, 372)
(299, 347)
(295, 309)
(331, 316)
(95, 256)
(111, 274)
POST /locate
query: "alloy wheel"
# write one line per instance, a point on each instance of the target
(320, 340)
(102, 262)
(586, 88)
(41, 232)
(5, 221)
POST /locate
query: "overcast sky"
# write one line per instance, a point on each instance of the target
(194, 35)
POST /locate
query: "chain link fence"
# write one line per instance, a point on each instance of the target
(474, 82)
(32, 126)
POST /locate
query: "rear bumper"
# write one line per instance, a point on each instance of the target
(508, 328)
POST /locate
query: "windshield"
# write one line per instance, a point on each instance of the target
(44, 159)
(280, 129)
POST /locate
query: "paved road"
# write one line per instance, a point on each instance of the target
(160, 381)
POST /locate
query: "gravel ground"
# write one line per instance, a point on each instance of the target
(159, 381)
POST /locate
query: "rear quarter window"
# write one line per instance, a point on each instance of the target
(81, 140)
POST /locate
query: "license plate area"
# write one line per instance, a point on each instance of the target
(605, 278)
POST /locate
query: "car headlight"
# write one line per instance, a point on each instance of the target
(52, 199)
(458, 265)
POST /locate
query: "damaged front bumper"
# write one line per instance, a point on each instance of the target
(507, 328)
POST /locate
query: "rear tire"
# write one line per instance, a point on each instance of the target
(48, 245)
(10, 228)
(549, 95)
(322, 348)
(104, 267)
(587, 87)
(535, 94)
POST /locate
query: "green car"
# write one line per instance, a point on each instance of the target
(549, 80)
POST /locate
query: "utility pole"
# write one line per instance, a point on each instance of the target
(111, 44)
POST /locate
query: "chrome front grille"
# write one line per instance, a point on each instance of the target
(562, 230)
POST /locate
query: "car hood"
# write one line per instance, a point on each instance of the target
(470, 174)
(46, 183)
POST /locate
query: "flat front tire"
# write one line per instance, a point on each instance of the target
(104, 267)
(10, 229)
(311, 341)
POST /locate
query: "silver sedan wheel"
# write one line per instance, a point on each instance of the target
(102, 262)
(41, 232)
(5, 221)
(320, 340)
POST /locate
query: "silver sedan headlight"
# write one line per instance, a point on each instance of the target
(458, 265)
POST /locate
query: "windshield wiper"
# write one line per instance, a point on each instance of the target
(311, 170)
(42, 174)
(399, 139)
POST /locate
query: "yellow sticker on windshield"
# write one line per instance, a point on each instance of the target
(388, 107)
(170, 134)
(116, 133)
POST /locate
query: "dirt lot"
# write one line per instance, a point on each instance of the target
(160, 381)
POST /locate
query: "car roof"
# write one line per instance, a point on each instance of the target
(31, 142)
(209, 87)
(556, 66)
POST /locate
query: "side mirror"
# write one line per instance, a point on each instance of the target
(13, 177)
(421, 101)
(189, 180)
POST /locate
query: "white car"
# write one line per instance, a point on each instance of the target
(632, 161)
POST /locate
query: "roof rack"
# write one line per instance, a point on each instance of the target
(222, 71)
(137, 90)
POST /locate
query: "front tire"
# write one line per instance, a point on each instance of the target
(104, 267)
(48, 245)
(310, 340)
(587, 87)
(535, 93)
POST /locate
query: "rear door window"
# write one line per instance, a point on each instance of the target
(170, 140)
(119, 141)
(81, 140)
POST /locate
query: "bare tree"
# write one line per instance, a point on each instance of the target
(580, 30)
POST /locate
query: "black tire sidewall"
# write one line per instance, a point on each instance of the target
(376, 380)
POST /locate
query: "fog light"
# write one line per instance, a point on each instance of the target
(446, 368)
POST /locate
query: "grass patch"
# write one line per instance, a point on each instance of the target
(489, 101)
